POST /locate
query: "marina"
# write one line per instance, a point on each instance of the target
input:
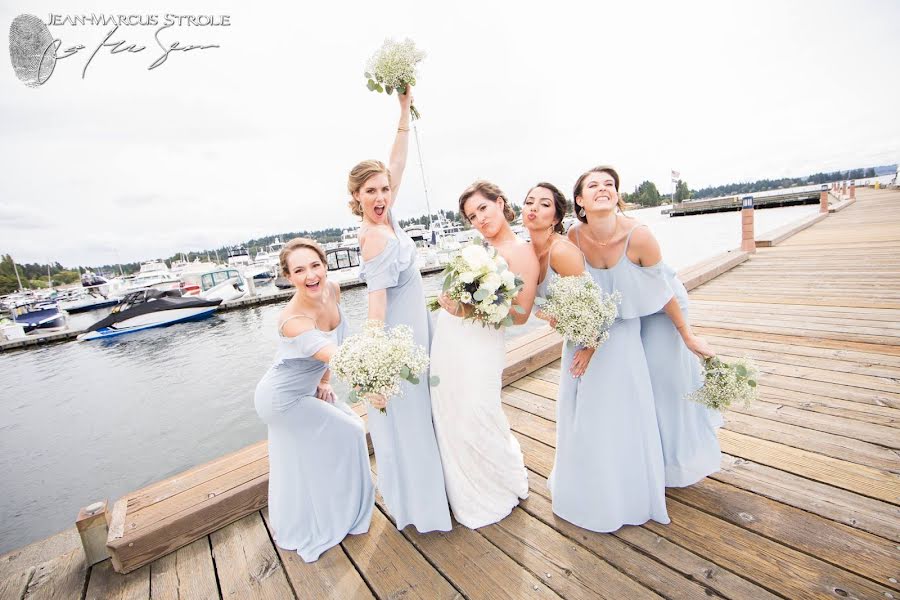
(806, 504)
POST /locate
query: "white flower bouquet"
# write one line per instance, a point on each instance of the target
(727, 383)
(583, 313)
(376, 360)
(393, 67)
(480, 279)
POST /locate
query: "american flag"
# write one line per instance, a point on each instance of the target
(676, 175)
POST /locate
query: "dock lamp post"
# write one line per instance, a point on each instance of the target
(823, 199)
(852, 188)
(748, 240)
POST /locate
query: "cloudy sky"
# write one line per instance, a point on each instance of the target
(256, 137)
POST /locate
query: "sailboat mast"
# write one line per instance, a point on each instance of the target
(422, 170)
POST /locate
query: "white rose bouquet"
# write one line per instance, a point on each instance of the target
(375, 361)
(393, 67)
(727, 383)
(480, 279)
(583, 313)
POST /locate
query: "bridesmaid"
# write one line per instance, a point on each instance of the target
(608, 471)
(687, 429)
(320, 483)
(542, 214)
(410, 476)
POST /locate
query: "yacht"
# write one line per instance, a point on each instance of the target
(34, 314)
(147, 308)
(343, 264)
(222, 284)
(350, 238)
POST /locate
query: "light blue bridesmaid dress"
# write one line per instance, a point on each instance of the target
(608, 470)
(687, 429)
(410, 475)
(320, 482)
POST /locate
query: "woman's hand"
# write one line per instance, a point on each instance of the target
(699, 346)
(580, 362)
(324, 392)
(451, 306)
(542, 315)
(406, 100)
(376, 400)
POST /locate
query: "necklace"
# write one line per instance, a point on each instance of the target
(612, 235)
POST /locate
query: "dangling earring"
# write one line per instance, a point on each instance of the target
(581, 212)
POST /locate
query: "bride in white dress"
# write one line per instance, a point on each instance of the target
(484, 471)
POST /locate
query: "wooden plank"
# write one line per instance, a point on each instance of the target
(162, 490)
(827, 444)
(570, 570)
(187, 574)
(536, 386)
(528, 402)
(773, 408)
(246, 562)
(181, 529)
(865, 554)
(653, 575)
(868, 413)
(874, 516)
(689, 565)
(867, 481)
(391, 566)
(477, 568)
(106, 584)
(13, 585)
(59, 578)
(333, 576)
(13, 563)
(772, 565)
(780, 234)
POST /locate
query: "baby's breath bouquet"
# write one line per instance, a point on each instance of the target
(393, 67)
(376, 360)
(727, 383)
(480, 279)
(582, 311)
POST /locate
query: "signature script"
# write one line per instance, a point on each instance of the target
(117, 47)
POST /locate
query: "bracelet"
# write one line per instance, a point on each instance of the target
(401, 129)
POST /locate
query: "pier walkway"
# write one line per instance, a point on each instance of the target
(807, 504)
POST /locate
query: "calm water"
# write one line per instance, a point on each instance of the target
(80, 422)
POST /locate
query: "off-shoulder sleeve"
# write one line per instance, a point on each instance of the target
(645, 290)
(383, 271)
(304, 345)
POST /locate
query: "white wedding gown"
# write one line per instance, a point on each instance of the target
(484, 472)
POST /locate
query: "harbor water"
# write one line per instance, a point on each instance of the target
(84, 421)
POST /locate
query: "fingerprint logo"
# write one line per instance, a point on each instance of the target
(30, 50)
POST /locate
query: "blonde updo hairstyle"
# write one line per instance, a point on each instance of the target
(359, 175)
(580, 184)
(489, 191)
(294, 244)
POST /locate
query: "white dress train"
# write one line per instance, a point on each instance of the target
(484, 471)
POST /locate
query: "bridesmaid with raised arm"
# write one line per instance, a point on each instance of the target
(320, 483)
(609, 470)
(410, 476)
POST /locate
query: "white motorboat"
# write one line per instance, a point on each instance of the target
(147, 308)
(222, 284)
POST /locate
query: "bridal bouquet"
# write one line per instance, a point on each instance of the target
(480, 279)
(726, 383)
(582, 311)
(393, 67)
(376, 360)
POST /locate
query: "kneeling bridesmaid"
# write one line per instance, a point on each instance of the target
(320, 483)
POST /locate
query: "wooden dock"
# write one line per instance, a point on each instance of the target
(772, 199)
(807, 504)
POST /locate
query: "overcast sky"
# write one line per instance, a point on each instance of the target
(257, 136)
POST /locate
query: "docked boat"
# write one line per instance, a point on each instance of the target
(222, 284)
(342, 263)
(147, 308)
(43, 315)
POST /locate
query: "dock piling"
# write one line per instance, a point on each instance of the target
(748, 239)
(823, 201)
(93, 528)
(852, 188)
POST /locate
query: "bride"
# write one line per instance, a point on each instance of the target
(483, 467)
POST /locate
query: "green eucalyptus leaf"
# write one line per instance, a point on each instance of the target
(413, 380)
(741, 370)
(540, 301)
(480, 294)
(389, 89)
(404, 372)
(434, 380)
(751, 383)
(379, 88)
(518, 309)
